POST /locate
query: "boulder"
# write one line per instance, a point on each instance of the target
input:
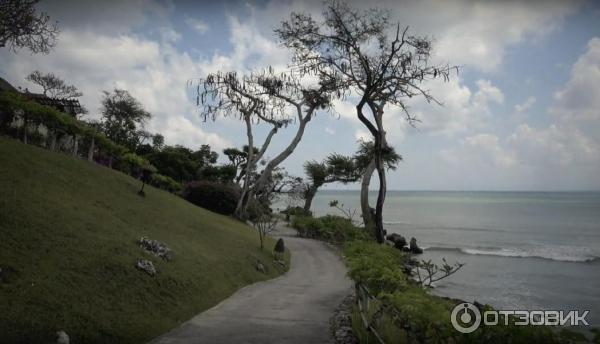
(279, 246)
(156, 248)
(146, 266)
(398, 240)
(62, 337)
(413, 247)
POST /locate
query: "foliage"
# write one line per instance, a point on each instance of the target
(22, 27)
(405, 312)
(165, 182)
(53, 86)
(296, 211)
(68, 232)
(122, 118)
(221, 174)
(366, 153)
(330, 228)
(379, 267)
(349, 213)
(133, 163)
(433, 273)
(184, 165)
(218, 197)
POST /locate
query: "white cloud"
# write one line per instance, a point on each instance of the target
(461, 110)
(329, 131)
(479, 149)
(525, 106)
(554, 145)
(198, 25)
(579, 99)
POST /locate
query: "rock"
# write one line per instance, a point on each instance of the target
(260, 268)
(341, 322)
(279, 246)
(398, 240)
(62, 337)
(156, 247)
(146, 266)
(413, 247)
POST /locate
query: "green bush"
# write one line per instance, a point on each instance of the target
(165, 182)
(218, 197)
(330, 228)
(296, 211)
(411, 314)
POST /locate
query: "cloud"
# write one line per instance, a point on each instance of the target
(198, 25)
(525, 106)
(466, 33)
(479, 149)
(554, 145)
(579, 100)
(462, 109)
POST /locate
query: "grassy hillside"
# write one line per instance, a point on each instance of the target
(68, 232)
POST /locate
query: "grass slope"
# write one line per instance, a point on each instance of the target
(68, 232)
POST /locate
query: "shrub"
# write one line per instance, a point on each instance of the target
(331, 228)
(409, 311)
(218, 197)
(165, 182)
(296, 211)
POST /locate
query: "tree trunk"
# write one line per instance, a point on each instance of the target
(53, 141)
(90, 155)
(308, 198)
(368, 219)
(266, 174)
(75, 145)
(380, 144)
(24, 130)
(240, 209)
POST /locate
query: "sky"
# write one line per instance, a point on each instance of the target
(523, 113)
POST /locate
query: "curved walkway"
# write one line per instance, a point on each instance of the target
(293, 308)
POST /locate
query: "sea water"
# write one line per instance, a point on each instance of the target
(522, 250)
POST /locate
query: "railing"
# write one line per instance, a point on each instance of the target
(364, 301)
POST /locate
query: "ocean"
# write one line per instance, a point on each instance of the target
(522, 250)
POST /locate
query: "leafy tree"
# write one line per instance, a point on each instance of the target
(53, 86)
(123, 116)
(335, 168)
(22, 27)
(158, 142)
(184, 165)
(369, 58)
(239, 159)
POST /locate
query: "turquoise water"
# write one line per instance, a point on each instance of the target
(523, 250)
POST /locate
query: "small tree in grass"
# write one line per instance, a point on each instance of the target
(264, 224)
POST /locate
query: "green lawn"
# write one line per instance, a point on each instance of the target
(68, 232)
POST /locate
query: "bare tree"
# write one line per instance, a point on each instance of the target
(53, 86)
(264, 224)
(371, 59)
(274, 98)
(22, 27)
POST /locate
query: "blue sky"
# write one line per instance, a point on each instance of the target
(523, 113)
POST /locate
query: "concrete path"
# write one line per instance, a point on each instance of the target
(293, 308)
